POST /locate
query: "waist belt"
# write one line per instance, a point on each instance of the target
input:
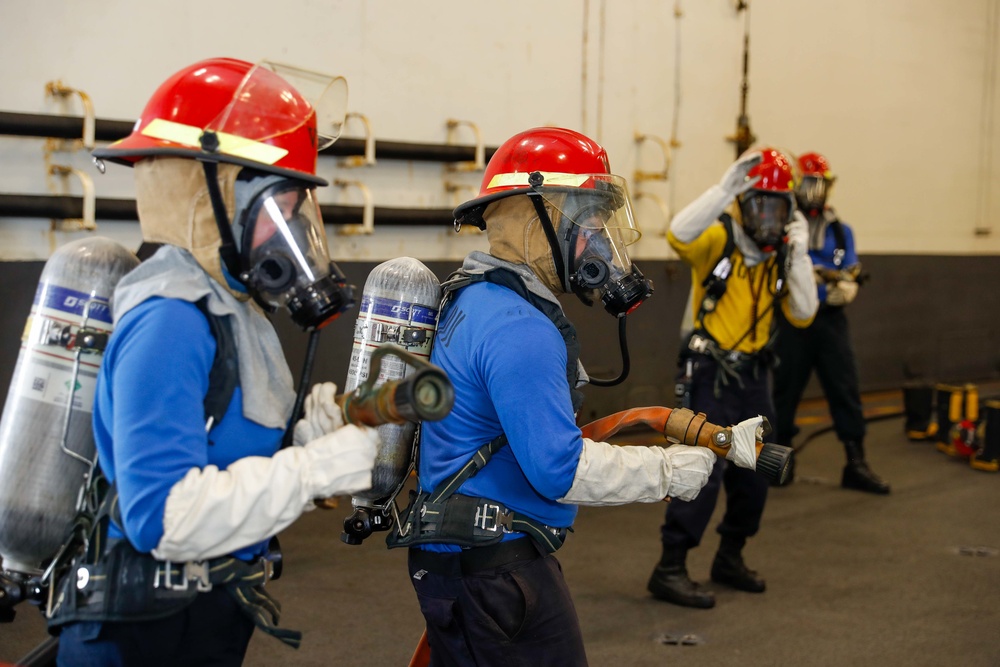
(730, 364)
(478, 559)
(126, 586)
(467, 522)
(445, 517)
(703, 345)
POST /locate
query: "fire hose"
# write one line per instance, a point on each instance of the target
(680, 425)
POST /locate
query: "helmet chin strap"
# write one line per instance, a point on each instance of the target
(535, 181)
(230, 257)
(227, 250)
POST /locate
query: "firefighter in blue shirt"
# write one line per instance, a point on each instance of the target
(825, 345)
(225, 166)
(501, 477)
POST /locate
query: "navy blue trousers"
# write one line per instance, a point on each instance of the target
(211, 631)
(826, 346)
(515, 615)
(746, 491)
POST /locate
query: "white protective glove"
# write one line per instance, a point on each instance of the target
(743, 450)
(611, 475)
(803, 299)
(699, 215)
(213, 512)
(692, 467)
(320, 414)
(797, 232)
(735, 181)
(842, 293)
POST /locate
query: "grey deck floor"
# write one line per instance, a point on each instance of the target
(911, 579)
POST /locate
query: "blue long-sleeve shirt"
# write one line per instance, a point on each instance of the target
(824, 257)
(149, 416)
(507, 362)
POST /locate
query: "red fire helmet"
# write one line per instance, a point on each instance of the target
(814, 164)
(775, 171)
(260, 119)
(563, 158)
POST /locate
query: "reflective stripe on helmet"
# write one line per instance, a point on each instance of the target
(229, 144)
(520, 178)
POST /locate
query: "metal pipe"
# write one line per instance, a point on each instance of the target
(64, 207)
(71, 127)
(60, 127)
(69, 207)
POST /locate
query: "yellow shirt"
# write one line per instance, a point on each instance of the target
(749, 292)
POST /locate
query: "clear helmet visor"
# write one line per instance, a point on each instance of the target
(284, 243)
(764, 217)
(254, 115)
(595, 228)
(812, 192)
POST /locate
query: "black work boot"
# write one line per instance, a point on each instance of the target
(857, 474)
(918, 405)
(728, 567)
(670, 581)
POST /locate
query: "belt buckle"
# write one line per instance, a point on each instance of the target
(498, 519)
(698, 344)
(196, 571)
(163, 577)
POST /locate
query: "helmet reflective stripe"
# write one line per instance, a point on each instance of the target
(229, 144)
(549, 178)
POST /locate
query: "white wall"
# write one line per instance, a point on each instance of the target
(901, 95)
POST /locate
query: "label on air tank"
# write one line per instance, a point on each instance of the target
(381, 320)
(49, 352)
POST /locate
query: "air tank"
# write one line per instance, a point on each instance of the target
(399, 306)
(46, 443)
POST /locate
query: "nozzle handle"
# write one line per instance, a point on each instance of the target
(426, 394)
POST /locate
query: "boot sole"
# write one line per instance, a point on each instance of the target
(733, 583)
(666, 596)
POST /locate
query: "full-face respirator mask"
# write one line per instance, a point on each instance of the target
(594, 228)
(765, 216)
(283, 257)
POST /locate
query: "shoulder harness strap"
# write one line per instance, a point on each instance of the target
(507, 278)
(715, 282)
(840, 239)
(224, 376)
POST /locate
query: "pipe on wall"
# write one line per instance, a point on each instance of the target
(68, 207)
(71, 127)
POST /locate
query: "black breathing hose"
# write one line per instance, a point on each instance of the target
(626, 365)
(304, 379)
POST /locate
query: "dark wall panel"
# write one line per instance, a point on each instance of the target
(933, 317)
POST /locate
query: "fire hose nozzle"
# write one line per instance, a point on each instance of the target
(775, 463)
(681, 425)
(425, 395)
